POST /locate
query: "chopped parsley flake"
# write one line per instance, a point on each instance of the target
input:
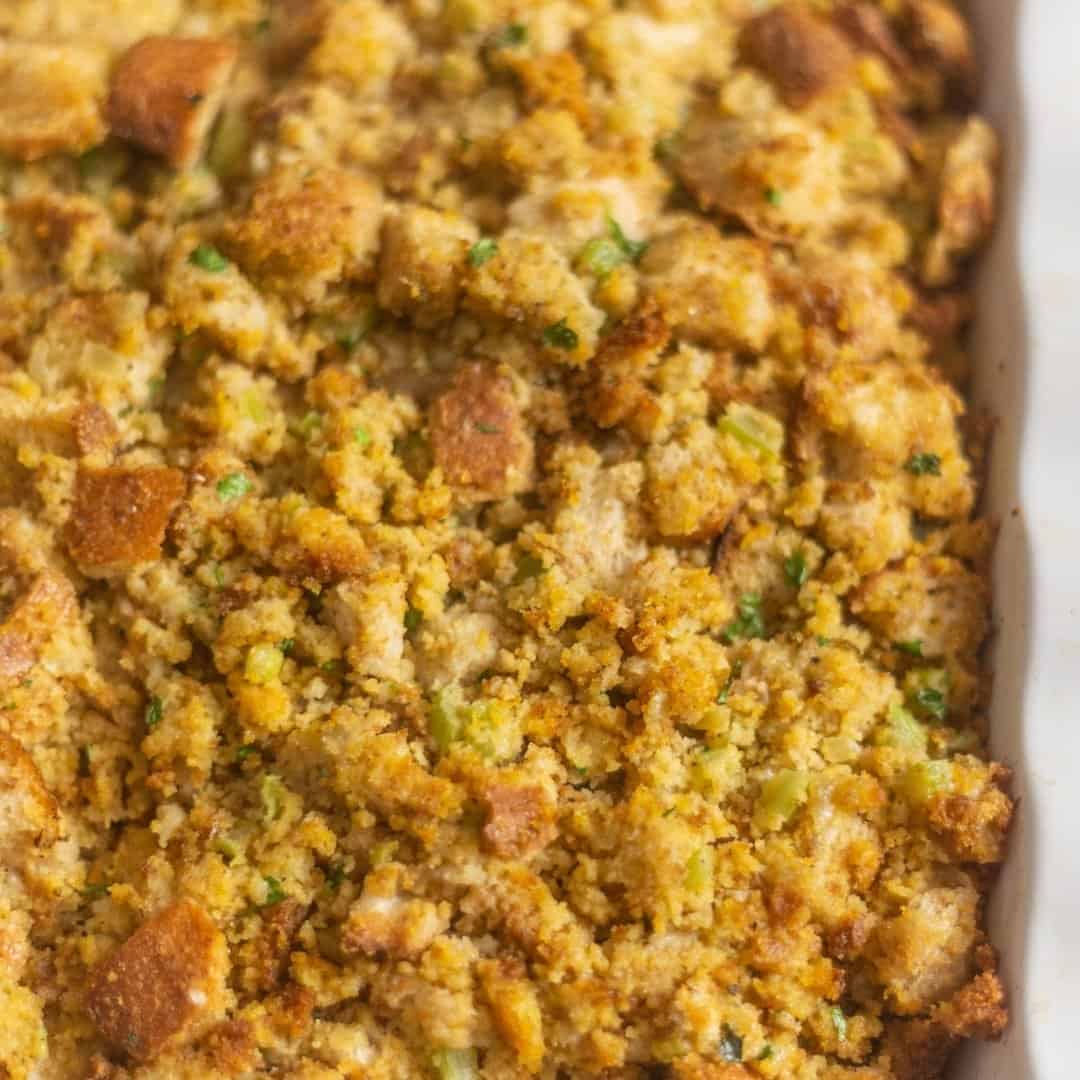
(233, 486)
(796, 570)
(413, 618)
(748, 623)
(286, 645)
(931, 701)
(154, 712)
(512, 35)
(361, 436)
(245, 751)
(632, 249)
(722, 696)
(529, 566)
(766, 1052)
(335, 875)
(209, 259)
(309, 424)
(730, 1046)
(773, 196)
(484, 250)
(560, 336)
(274, 892)
(603, 254)
(924, 465)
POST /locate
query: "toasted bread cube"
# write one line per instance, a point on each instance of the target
(119, 515)
(165, 93)
(516, 1011)
(48, 602)
(164, 985)
(520, 819)
(306, 228)
(799, 51)
(29, 814)
(422, 263)
(384, 922)
(49, 99)
(94, 429)
(478, 437)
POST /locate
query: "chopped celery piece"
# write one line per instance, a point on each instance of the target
(272, 797)
(445, 719)
(781, 795)
(927, 692)
(756, 430)
(927, 779)
(229, 144)
(455, 1064)
(903, 732)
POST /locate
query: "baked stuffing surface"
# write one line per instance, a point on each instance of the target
(490, 583)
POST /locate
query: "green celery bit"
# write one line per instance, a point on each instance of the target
(755, 429)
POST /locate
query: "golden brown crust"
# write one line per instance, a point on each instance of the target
(977, 1010)
(154, 990)
(119, 515)
(47, 604)
(478, 437)
(306, 227)
(166, 91)
(49, 99)
(618, 393)
(94, 429)
(917, 1049)
(555, 80)
(695, 1067)
(801, 52)
(29, 814)
(520, 819)
(279, 926)
(941, 38)
(869, 28)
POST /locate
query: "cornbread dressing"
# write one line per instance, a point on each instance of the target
(490, 578)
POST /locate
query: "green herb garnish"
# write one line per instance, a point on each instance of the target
(748, 623)
(796, 570)
(274, 892)
(413, 618)
(233, 486)
(209, 259)
(924, 465)
(930, 701)
(912, 648)
(95, 891)
(154, 712)
(509, 36)
(484, 250)
(560, 336)
(773, 196)
(245, 751)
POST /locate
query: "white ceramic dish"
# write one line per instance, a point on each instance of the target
(1026, 338)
